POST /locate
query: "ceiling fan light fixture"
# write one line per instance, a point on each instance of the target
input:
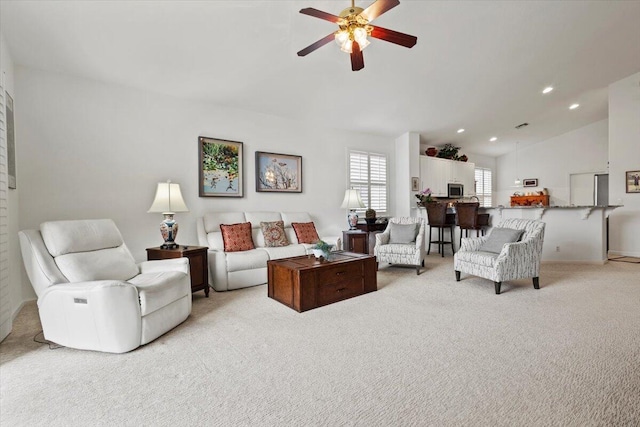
(347, 46)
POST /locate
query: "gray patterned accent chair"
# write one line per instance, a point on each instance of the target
(517, 260)
(401, 253)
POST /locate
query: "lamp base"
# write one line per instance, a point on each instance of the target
(352, 220)
(169, 231)
(169, 246)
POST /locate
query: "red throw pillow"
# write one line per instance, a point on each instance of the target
(305, 232)
(237, 237)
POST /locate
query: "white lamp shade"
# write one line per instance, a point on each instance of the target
(352, 200)
(168, 199)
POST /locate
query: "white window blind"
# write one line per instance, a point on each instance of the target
(368, 175)
(483, 186)
(5, 305)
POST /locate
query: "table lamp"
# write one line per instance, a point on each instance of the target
(168, 201)
(352, 201)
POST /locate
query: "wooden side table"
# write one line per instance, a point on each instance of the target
(356, 241)
(372, 230)
(198, 264)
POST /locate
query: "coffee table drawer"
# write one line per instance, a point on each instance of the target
(333, 292)
(339, 273)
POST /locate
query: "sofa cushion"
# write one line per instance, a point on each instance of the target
(397, 248)
(274, 235)
(106, 264)
(286, 251)
(247, 260)
(403, 233)
(212, 220)
(291, 217)
(499, 237)
(305, 232)
(159, 289)
(64, 237)
(486, 259)
(237, 237)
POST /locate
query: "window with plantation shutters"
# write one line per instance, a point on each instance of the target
(483, 186)
(368, 175)
(5, 307)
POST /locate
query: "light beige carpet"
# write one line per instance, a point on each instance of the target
(422, 351)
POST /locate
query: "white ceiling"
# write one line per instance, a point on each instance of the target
(477, 65)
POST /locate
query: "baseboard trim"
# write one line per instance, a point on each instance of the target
(17, 310)
(624, 253)
(569, 261)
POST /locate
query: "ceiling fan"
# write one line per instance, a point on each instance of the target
(355, 28)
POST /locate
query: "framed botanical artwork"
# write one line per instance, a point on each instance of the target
(220, 163)
(278, 173)
(633, 181)
(530, 182)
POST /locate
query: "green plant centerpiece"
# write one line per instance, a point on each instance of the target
(424, 197)
(448, 151)
(370, 216)
(322, 249)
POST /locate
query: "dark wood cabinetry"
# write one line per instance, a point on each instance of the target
(303, 283)
(198, 266)
(540, 200)
(364, 239)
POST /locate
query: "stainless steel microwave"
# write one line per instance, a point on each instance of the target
(455, 191)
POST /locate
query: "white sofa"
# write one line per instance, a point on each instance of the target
(91, 293)
(235, 270)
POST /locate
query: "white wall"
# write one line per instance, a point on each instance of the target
(552, 161)
(407, 165)
(94, 150)
(624, 155)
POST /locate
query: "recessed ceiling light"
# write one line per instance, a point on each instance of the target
(574, 106)
(547, 89)
(493, 138)
(460, 130)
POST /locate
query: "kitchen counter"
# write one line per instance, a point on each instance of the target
(572, 233)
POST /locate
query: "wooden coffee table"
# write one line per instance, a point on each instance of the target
(303, 283)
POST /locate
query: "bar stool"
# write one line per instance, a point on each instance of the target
(467, 219)
(437, 217)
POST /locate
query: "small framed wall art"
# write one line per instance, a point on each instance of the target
(530, 182)
(415, 183)
(220, 163)
(633, 181)
(278, 173)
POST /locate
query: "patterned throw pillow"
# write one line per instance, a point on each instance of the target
(274, 235)
(305, 232)
(237, 237)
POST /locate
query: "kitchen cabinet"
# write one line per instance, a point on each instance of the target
(436, 173)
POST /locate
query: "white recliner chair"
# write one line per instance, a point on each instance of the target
(91, 293)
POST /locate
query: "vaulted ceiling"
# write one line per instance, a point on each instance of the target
(480, 66)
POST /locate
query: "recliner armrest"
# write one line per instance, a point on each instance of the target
(99, 315)
(174, 264)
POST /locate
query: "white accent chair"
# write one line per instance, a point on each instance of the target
(401, 253)
(91, 293)
(518, 260)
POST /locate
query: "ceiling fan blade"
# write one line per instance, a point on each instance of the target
(320, 14)
(394, 37)
(377, 8)
(317, 45)
(357, 60)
